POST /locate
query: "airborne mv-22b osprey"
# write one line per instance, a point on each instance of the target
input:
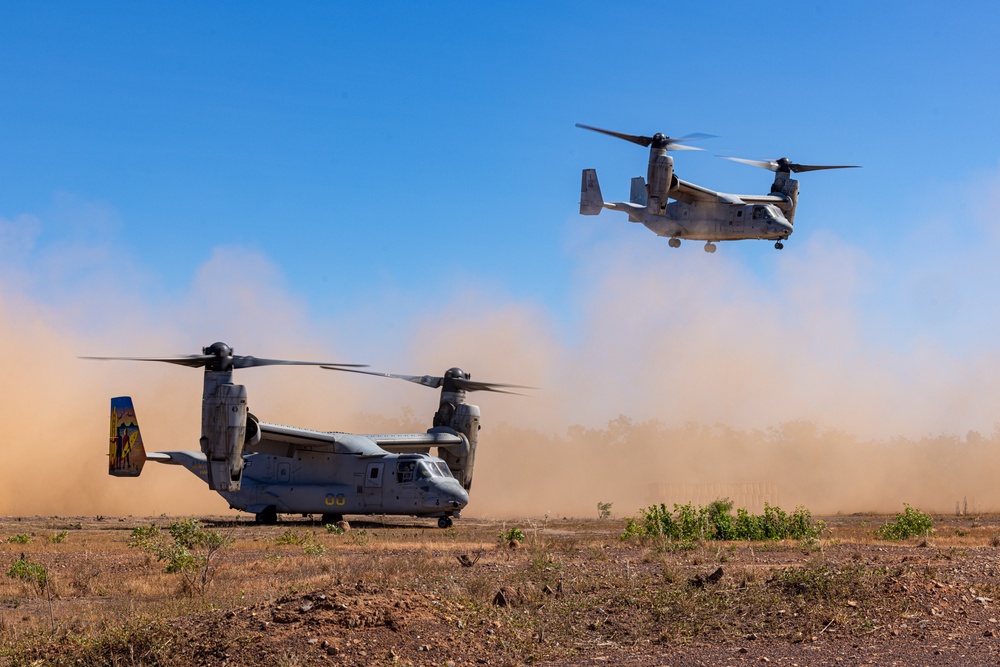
(269, 469)
(698, 213)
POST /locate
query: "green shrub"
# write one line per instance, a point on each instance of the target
(293, 537)
(56, 538)
(512, 534)
(187, 551)
(19, 539)
(716, 522)
(32, 573)
(909, 523)
(604, 510)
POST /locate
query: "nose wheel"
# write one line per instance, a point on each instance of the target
(444, 522)
(779, 245)
(710, 247)
(674, 243)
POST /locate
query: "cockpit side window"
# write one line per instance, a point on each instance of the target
(404, 471)
(422, 471)
(443, 469)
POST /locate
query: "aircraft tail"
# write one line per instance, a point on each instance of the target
(591, 199)
(126, 455)
(639, 195)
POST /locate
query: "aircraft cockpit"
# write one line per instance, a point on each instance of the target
(408, 470)
(766, 212)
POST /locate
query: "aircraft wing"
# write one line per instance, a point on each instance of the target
(401, 443)
(689, 193)
(764, 199)
(282, 440)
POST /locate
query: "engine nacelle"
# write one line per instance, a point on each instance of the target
(223, 434)
(660, 177)
(464, 420)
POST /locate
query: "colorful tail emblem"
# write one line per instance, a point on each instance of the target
(126, 455)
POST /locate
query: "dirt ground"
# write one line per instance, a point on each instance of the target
(401, 591)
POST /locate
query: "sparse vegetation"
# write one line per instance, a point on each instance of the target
(604, 510)
(573, 591)
(909, 523)
(20, 538)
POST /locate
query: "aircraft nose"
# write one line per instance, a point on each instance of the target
(460, 497)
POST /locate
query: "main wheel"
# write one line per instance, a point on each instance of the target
(674, 243)
(779, 245)
(268, 516)
(329, 519)
(444, 522)
(709, 247)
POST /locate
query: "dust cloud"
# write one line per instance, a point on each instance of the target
(680, 376)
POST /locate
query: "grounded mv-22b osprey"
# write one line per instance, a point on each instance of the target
(269, 469)
(698, 213)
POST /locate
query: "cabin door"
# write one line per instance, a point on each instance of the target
(373, 485)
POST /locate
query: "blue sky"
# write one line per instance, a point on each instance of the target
(396, 170)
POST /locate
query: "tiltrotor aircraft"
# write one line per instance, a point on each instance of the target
(269, 469)
(698, 213)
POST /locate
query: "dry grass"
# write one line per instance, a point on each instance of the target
(572, 581)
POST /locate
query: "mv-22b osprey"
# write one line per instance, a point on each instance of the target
(698, 213)
(269, 469)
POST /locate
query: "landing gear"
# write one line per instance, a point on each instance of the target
(674, 243)
(709, 247)
(444, 522)
(330, 519)
(779, 245)
(268, 517)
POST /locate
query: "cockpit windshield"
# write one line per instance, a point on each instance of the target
(409, 470)
(764, 212)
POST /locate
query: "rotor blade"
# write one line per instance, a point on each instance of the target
(641, 140)
(763, 164)
(817, 167)
(785, 164)
(436, 381)
(426, 380)
(240, 361)
(472, 385)
(192, 361)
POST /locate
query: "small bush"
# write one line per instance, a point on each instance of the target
(57, 538)
(604, 510)
(512, 534)
(19, 539)
(27, 571)
(909, 523)
(313, 549)
(292, 537)
(334, 529)
(188, 551)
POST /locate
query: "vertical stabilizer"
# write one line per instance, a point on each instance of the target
(591, 199)
(126, 455)
(638, 194)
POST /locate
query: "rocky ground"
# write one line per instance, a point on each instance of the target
(569, 593)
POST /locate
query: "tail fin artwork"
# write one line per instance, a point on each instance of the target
(591, 199)
(126, 455)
